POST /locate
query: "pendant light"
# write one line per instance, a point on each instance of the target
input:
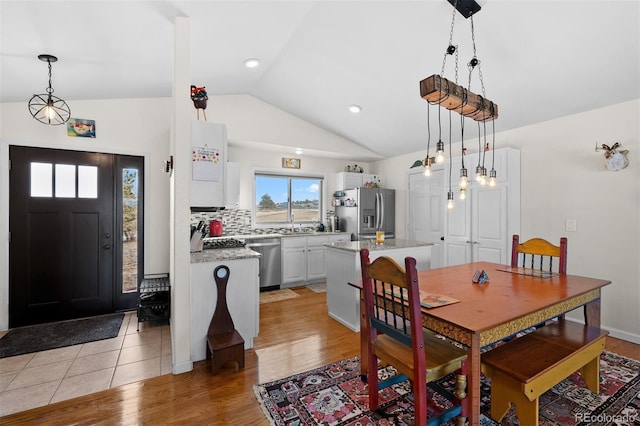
(46, 108)
(436, 89)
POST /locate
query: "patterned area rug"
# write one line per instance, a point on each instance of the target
(334, 395)
(276, 295)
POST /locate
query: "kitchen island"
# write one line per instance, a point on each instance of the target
(243, 297)
(343, 266)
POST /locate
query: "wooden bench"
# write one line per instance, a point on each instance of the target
(525, 368)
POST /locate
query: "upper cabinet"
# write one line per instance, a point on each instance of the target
(350, 180)
(208, 164)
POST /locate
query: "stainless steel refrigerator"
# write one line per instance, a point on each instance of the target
(373, 210)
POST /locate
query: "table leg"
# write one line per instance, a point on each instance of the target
(473, 381)
(592, 313)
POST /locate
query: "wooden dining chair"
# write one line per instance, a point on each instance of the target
(395, 336)
(537, 253)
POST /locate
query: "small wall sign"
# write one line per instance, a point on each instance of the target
(291, 163)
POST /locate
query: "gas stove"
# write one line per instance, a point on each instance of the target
(222, 243)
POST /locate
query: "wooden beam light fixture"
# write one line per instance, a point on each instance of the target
(437, 90)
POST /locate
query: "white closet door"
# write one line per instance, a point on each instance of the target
(426, 211)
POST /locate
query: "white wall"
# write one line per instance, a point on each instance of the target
(562, 178)
(124, 126)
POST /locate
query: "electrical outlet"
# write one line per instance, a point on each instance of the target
(570, 225)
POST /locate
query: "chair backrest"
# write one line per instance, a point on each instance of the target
(537, 253)
(392, 302)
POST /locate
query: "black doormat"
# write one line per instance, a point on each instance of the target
(41, 337)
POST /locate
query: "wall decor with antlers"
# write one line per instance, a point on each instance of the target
(614, 158)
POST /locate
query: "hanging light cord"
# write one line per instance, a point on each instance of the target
(493, 143)
(428, 130)
(450, 156)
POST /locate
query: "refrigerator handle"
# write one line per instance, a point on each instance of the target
(381, 210)
(377, 212)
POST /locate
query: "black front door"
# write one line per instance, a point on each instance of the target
(61, 220)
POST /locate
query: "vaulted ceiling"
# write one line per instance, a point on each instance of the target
(539, 59)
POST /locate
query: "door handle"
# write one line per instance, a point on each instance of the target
(106, 247)
(442, 238)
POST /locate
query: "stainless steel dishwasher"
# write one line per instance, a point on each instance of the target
(270, 266)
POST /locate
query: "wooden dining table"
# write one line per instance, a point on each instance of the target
(512, 300)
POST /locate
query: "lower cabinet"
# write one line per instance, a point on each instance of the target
(304, 258)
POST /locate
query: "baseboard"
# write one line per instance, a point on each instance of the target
(613, 332)
(345, 323)
(183, 367)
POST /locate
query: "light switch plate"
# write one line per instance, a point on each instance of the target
(570, 225)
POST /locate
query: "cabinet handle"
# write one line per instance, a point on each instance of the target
(468, 242)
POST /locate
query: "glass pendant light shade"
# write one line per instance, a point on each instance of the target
(440, 152)
(46, 108)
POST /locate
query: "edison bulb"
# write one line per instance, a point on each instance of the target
(427, 171)
(440, 152)
(492, 181)
(463, 193)
(450, 204)
(50, 112)
(464, 182)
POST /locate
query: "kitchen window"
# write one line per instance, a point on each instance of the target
(284, 199)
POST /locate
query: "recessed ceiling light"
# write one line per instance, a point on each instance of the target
(298, 151)
(355, 108)
(252, 63)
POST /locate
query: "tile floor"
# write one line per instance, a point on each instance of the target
(37, 379)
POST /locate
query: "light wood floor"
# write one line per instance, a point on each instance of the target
(295, 335)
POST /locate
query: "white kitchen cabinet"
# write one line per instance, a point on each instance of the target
(294, 260)
(480, 227)
(232, 186)
(425, 209)
(303, 259)
(350, 180)
(208, 164)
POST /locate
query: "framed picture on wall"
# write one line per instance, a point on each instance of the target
(290, 163)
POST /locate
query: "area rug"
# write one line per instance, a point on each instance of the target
(41, 337)
(318, 288)
(335, 395)
(277, 295)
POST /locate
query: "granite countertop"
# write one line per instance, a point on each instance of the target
(390, 244)
(220, 255)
